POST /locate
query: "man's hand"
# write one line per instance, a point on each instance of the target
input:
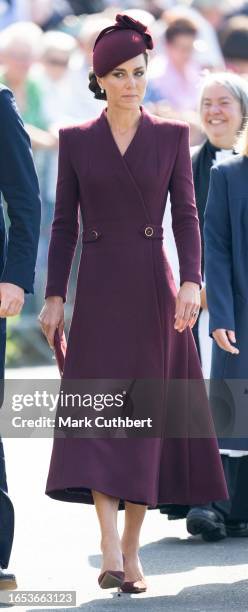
(11, 299)
(187, 303)
(222, 337)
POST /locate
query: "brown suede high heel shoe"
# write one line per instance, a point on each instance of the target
(135, 586)
(111, 579)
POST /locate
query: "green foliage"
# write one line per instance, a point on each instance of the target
(13, 346)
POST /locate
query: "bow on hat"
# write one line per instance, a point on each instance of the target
(124, 22)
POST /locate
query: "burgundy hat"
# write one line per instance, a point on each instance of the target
(120, 42)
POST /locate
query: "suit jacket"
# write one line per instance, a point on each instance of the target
(226, 242)
(226, 266)
(19, 186)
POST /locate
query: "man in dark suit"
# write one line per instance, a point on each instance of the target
(18, 252)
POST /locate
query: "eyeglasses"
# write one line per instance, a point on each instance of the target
(57, 61)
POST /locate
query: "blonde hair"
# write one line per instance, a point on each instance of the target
(21, 33)
(242, 142)
(58, 41)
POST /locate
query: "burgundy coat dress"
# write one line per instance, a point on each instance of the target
(123, 319)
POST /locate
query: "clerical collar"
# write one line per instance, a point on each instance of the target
(222, 154)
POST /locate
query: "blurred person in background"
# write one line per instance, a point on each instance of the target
(49, 14)
(178, 77)
(12, 11)
(233, 38)
(207, 52)
(241, 9)
(60, 103)
(157, 7)
(211, 10)
(79, 7)
(20, 46)
(223, 111)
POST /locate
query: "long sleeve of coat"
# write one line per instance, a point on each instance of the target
(218, 254)
(65, 226)
(185, 222)
(20, 188)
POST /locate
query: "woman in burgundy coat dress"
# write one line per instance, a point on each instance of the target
(129, 322)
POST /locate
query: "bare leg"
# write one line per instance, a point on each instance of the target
(107, 509)
(134, 516)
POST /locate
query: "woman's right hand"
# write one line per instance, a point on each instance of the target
(51, 317)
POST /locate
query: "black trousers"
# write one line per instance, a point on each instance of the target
(6, 506)
(6, 515)
(236, 474)
(236, 507)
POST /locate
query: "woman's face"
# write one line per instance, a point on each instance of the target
(56, 64)
(180, 50)
(125, 85)
(220, 116)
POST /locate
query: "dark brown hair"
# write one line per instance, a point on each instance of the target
(233, 38)
(180, 26)
(95, 87)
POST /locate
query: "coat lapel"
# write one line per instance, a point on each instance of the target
(125, 164)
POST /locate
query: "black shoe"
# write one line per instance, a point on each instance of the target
(176, 517)
(207, 523)
(174, 511)
(7, 581)
(237, 530)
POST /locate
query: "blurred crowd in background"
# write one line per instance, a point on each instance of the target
(45, 57)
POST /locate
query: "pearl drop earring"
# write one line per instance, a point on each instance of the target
(102, 90)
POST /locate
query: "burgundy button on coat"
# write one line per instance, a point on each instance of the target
(123, 319)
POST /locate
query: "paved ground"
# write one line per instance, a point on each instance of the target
(56, 547)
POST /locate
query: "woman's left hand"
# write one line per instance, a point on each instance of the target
(188, 301)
